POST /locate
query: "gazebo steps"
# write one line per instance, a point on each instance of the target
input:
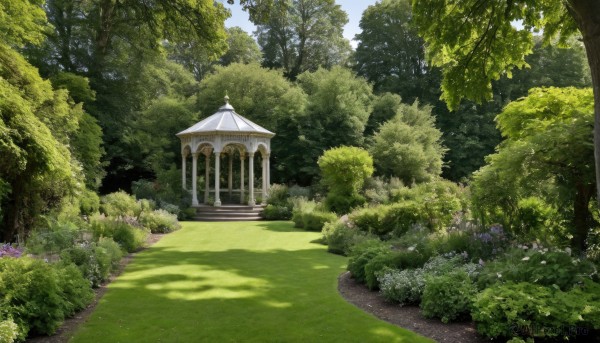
(228, 213)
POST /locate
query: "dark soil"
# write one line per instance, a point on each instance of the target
(408, 317)
(68, 328)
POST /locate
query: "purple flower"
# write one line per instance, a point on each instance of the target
(7, 250)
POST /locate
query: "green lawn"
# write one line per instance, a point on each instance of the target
(234, 282)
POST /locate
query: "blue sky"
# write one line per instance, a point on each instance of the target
(354, 8)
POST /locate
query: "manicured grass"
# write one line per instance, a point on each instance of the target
(234, 282)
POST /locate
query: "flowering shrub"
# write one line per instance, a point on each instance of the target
(8, 331)
(403, 286)
(7, 250)
(537, 265)
(159, 221)
(406, 286)
(340, 236)
(528, 310)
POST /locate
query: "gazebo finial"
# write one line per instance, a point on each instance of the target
(226, 98)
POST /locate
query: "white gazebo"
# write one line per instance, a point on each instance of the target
(226, 133)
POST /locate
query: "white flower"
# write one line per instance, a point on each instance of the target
(535, 246)
(543, 262)
(568, 251)
(499, 275)
(411, 248)
(526, 258)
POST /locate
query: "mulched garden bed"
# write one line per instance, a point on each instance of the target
(408, 317)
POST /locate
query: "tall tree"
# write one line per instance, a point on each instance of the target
(408, 146)
(547, 152)
(36, 127)
(476, 42)
(390, 53)
(339, 105)
(301, 35)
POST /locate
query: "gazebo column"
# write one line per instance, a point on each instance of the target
(194, 181)
(206, 177)
(230, 175)
(264, 179)
(217, 178)
(242, 157)
(251, 201)
(183, 170)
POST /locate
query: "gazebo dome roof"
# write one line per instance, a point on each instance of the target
(226, 120)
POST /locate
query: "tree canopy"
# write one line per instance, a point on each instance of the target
(302, 35)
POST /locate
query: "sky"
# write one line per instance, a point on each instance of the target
(354, 8)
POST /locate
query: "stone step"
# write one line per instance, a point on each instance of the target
(228, 213)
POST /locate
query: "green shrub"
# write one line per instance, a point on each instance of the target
(314, 221)
(345, 169)
(275, 212)
(120, 204)
(343, 203)
(406, 286)
(76, 289)
(128, 236)
(113, 250)
(187, 213)
(375, 266)
(278, 195)
(32, 294)
(361, 254)
(368, 219)
(85, 258)
(301, 206)
(542, 267)
(89, 202)
(339, 237)
(537, 219)
(52, 239)
(448, 296)
(400, 217)
(299, 192)
(529, 310)
(159, 221)
(8, 331)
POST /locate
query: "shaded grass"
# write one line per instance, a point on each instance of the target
(234, 282)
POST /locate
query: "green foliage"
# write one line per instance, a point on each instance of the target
(22, 22)
(538, 266)
(315, 220)
(303, 35)
(89, 202)
(159, 221)
(340, 237)
(527, 165)
(93, 261)
(362, 254)
(468, 72)
(344, 171)
(406, 284)
(242, 48)
(449, 296)
(76, 290)
(8, 331)
(537, 219)
(301, 206)
(408, 146)
(387, 27)
(38, 296)
(52, 239)
(35, 123)
(120, 204)
(131, 238)
(276, 212)
(529, 310)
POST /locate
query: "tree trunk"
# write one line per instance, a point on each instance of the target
(587, 16)
(582, 219)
